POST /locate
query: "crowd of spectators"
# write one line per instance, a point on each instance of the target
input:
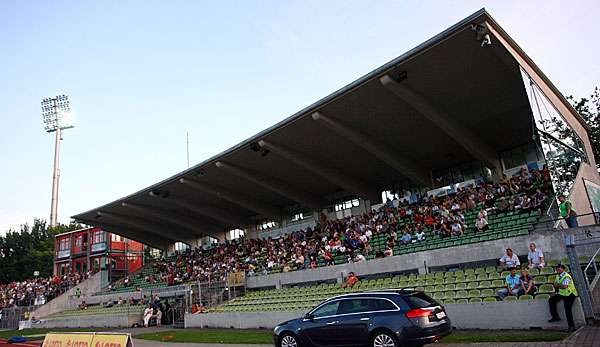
(401, 223)
(37, 291)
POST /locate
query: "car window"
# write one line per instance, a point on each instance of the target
(328, 309)
(381, 305)
(419, 300)
(354, 306)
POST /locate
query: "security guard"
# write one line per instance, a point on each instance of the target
(567, 292)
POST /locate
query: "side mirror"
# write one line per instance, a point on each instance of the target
(309, 316)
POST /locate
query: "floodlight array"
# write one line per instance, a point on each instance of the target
(55, 112)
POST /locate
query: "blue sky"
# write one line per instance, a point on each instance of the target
(142, 73)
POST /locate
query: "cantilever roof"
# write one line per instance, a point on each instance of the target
(366, 136)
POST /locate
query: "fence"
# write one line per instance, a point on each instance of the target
(10, 317)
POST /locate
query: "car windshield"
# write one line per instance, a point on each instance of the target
(419, 300)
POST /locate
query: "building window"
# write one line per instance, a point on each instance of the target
(346, 205)
(99, 236)
(236, 234)
(63, 244)
(266, 225)
(116, 238)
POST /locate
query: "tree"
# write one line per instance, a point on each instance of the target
(29, 249)
(589, 109)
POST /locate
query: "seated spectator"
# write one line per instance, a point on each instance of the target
(83, 305)
(509, 260)
(535, 257)
(503, 205)
(359, 257)
(420, 235)
(527, 284)
(406, 238)
(481, 224)
(350, 281)
(512, 285)
(457, 229)
(389, 251)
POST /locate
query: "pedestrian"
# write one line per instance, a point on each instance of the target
(567, 212)
(567, 292)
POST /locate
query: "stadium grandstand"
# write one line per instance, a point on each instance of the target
(420, 174)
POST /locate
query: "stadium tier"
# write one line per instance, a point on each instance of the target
(469, 286)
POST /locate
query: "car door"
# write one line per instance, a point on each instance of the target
(353, 322)
(320, 330)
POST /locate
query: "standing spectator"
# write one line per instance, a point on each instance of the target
(511, 284)
(567, 212)
(535, 257)
(147, 315)
(566, 292)
(509, 260)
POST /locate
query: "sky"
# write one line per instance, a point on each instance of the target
(140, 74)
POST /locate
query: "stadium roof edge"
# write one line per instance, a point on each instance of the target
(311, 108)
(454, 31)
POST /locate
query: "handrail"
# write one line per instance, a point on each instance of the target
(592, 262)
(554, 201)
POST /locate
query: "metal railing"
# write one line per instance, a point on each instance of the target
(592, 266)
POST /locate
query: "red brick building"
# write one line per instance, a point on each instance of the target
(96, 249)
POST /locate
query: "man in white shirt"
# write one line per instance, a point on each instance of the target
(535, 257)
(509, 260)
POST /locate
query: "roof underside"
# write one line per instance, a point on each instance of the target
(478, 88)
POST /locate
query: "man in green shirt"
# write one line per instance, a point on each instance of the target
(566, 291)
(567, 212)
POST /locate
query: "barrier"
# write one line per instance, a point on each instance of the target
(521, 314)
(87, 340)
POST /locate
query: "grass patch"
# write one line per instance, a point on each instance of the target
(211, 336)
(473, 336)
(40, 333)
(265, 336)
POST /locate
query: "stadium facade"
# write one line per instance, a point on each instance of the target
(465, 105)
(93, 249)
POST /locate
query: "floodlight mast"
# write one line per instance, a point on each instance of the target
(55, 114)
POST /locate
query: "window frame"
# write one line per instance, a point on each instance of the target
(311, 312)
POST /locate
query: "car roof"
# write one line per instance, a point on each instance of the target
(375, 293)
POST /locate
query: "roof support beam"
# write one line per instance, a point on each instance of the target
(238, 199)
(332, 175)
(228, 219)
(137, 223)
(273, 184)
(403, 165)
(469, 141)
(197, 229)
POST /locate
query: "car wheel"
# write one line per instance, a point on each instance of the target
(383, 339)
(288, 340)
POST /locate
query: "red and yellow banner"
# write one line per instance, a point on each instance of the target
(86, 340)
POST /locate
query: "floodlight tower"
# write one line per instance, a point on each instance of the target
(56, 114)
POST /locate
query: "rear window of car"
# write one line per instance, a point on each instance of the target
(419, 300)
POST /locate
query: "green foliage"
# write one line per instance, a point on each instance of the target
(589, 109)
(29, 249)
